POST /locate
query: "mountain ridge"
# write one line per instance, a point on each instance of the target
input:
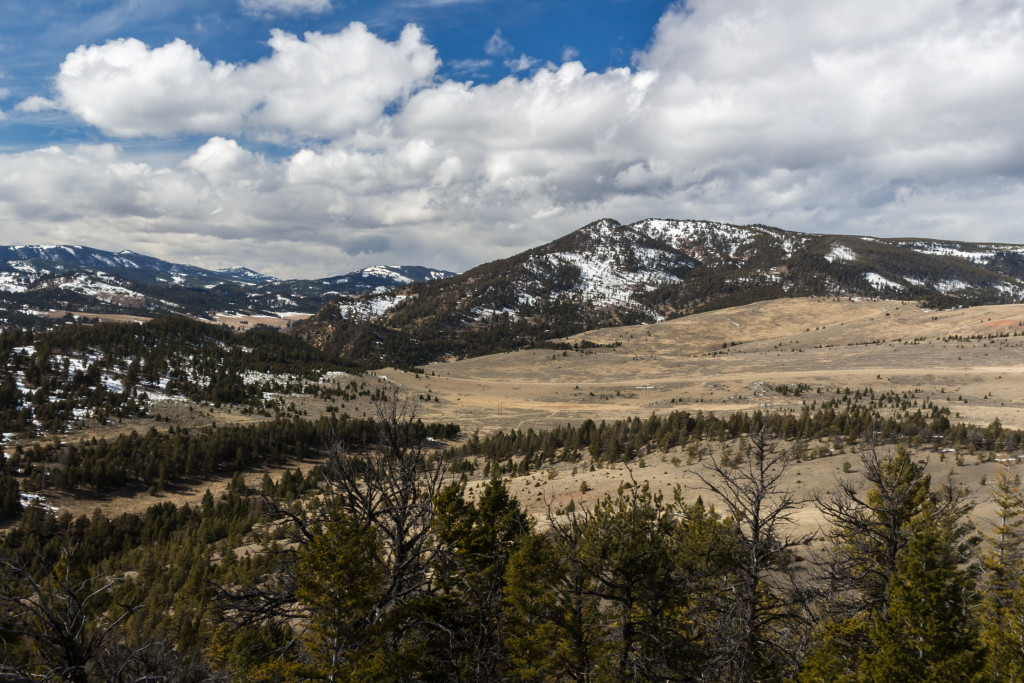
(89, 280)
(609, 273)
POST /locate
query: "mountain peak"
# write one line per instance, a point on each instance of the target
(607, 273)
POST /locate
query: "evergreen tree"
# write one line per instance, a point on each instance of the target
(626, 550)
(1003, 569)
(340, 577)
(869, 534)
(553, 631)
(474, 543)
(927, 633)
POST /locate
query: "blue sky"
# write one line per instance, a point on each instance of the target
(35, 37)
(311, 137)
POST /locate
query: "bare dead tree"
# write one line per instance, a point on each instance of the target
(391, 490)
(766, 601)
(388, 489)
(60, 617)
(869, 526)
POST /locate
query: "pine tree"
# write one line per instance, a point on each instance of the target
(340, 578)
(927, 633)
(474, 543)
(1005, 540)
(1003, 569)
(554, 629)
(870, 533)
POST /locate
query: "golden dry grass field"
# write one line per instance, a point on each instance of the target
(728, 360)
(722, 361)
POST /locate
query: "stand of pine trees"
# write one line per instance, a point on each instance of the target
(379, 566)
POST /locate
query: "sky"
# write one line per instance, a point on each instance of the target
(308, 138)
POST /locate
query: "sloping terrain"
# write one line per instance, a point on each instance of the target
(774, 355)
(74, 278)
(778, 356)
(608, 274)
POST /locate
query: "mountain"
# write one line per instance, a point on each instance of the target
(607, 273)
(87, 280)
(41, 260)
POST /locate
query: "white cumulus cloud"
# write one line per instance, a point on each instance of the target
(320, 85)
(808, 116)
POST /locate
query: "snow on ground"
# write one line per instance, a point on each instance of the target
(19, 382)
(26, 267)
(11, 282)
(790, 244)
(946, 286)
(390, 272)
(482, 312)
(879, 282)
(1014, 290)
(74, 364)
(936, 249)
(603, 283)
(676, 232)
(28, 499)
(98, 288)
(840, 253)
(113, 384)
(252, 377)
(368, 309)
(336, 375)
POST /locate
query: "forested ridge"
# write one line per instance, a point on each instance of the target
(377, 564)
(159, 459)
(96, 373)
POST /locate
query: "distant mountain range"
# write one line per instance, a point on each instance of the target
(607, 273)
(88, 280)
(603, 274)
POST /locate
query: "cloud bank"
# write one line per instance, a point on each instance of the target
(814, 117)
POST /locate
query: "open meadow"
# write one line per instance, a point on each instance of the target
(772, 356)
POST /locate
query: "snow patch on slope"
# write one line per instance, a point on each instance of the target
(879, 282)
(936, 249)
(369, 308)
(840, 253)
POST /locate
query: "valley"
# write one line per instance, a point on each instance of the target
(198, 461)
(618, 370)
(734, 359)
(769, 356)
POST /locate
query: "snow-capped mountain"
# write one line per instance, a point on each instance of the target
(608, 273)
(41, 260)
(377, 279)
(83, 279)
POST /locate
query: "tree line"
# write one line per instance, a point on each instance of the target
(383, 568)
